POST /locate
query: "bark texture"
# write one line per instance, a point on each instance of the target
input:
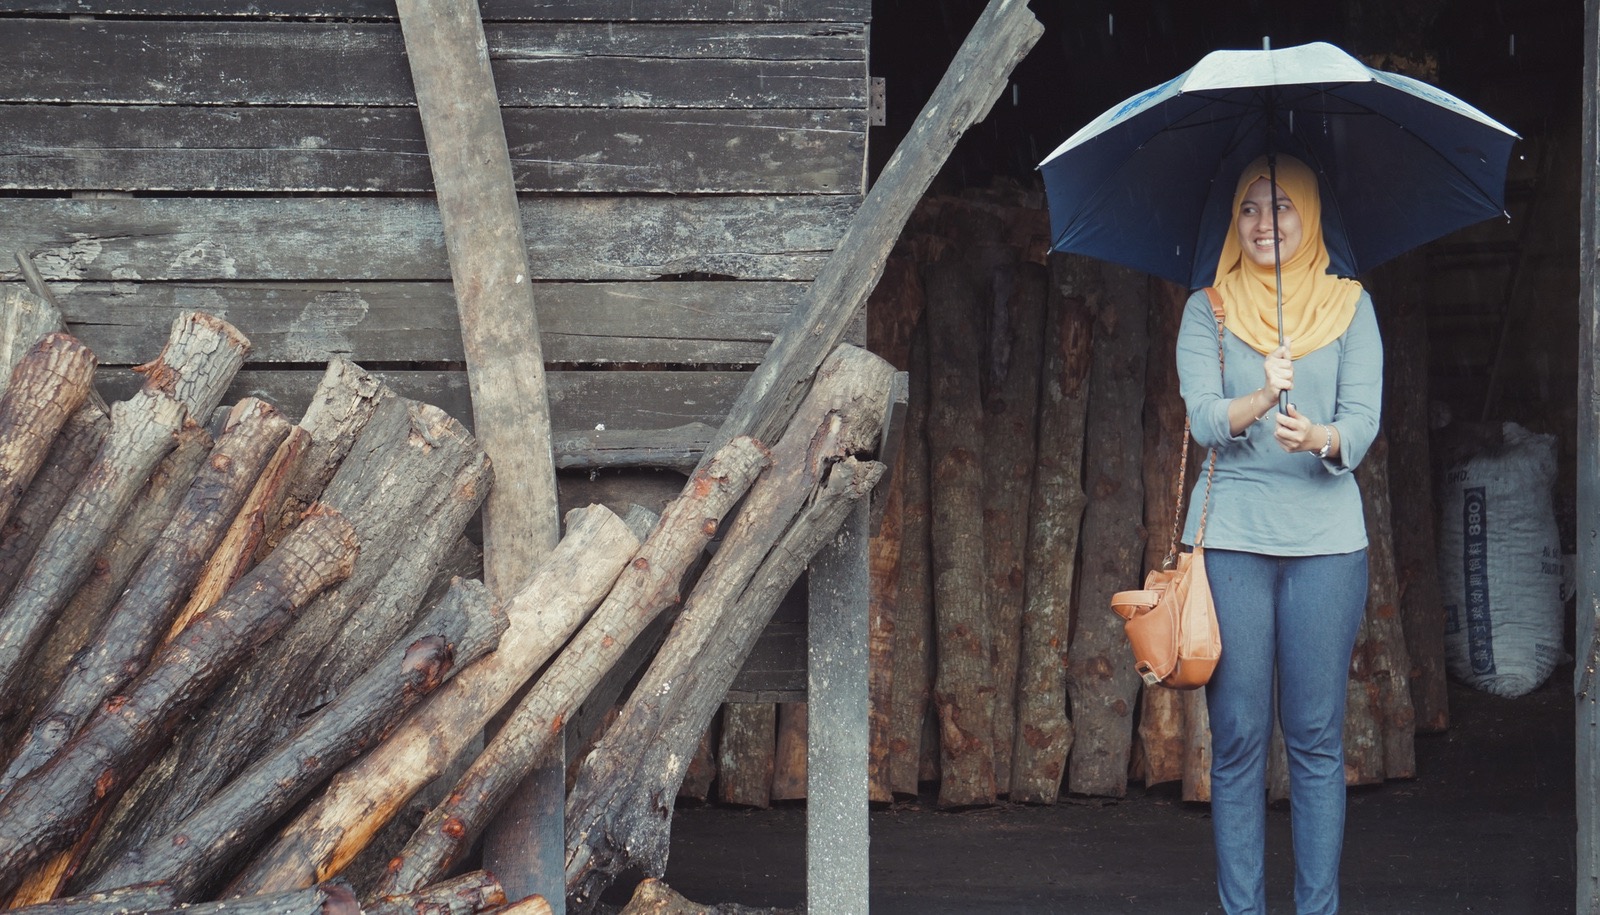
(1100, 678)
(1044, 732)
(913, 626)
(47, 386)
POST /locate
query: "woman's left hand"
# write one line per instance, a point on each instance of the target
(1295, 432)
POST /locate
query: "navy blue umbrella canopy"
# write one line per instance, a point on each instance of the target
(1149, 183)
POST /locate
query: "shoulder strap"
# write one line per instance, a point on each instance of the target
(1171, 560)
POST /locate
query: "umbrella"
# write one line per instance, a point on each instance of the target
(1149, 183)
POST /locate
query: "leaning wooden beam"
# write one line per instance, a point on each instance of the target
(24, 318)
(340, 822)
(1002, 36)
(489, 268)
(48, 385)
(45, 811)
(129, 633)
(409, 486)
(461, 628)
(647, 587)
(1044, 734)
(615, 811)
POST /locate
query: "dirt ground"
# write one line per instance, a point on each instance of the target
(1486, 827)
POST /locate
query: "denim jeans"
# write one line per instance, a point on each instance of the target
(1297, 617)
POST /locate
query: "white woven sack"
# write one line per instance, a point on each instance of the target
(1500, 566)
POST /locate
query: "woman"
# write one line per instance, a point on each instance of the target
(1285, 537)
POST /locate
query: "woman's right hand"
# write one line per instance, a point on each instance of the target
(1279, 371)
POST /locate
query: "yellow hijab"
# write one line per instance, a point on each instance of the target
(1317, 306)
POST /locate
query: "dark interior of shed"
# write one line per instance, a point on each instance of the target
(1501, 297)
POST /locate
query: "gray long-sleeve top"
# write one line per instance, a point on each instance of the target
(1263, 499)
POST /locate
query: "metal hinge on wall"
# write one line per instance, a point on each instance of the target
(877, 107)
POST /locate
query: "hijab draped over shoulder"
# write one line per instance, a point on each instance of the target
(1317, 306)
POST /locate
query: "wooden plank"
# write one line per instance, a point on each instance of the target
(381, 150)
(1587, 704)
(579, 401)
(350, 238)
(493, 10)
(670, 65)
(681, 323)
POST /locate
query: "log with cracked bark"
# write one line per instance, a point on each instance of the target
(70, 455)
(647, 587)
(48, 385)
(47, 809)
(339, 823)
(1101, 682)
(964, 688)
(1044, 733)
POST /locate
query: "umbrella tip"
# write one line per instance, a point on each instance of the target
(1266, 43)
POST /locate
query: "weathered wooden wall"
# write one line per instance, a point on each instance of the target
(684, 169)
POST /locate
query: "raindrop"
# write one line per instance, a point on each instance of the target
(1111, 24)
(1513, 44)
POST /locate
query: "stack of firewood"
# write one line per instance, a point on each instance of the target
(236, 649)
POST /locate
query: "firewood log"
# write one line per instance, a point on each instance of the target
(615, 812)
(748, 753)
(652, 897)
(128, 900)
(913, 625)
(341, 407)
(130, 542)
(1401, 286)
(130, 631)
(1196, 761)
(533, 905)
(543, 615)
(1363, 735)
(476, 891)
(142, 432)
(238, 549)
(1162, 732)
(25, 317)
(1101, 682)
(1044, 733)
(1010, 418)
(197, 363)
(702, 771)
(616, 816)
(893, 313)
(409, 487)
(45, 810)
(789, 755)
(1389, 662)
(70, 455)
(334, 898)
(47, 386)
(964, 688)
(462, 628)
(647, 587)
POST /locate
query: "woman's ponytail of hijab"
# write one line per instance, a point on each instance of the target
(1317, 306)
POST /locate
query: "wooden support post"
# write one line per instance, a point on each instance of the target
(836, 691)
(1587, 707)
(505, 361)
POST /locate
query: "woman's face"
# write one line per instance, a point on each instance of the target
(1255, 224)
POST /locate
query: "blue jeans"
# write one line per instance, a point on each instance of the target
(1300, 615)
